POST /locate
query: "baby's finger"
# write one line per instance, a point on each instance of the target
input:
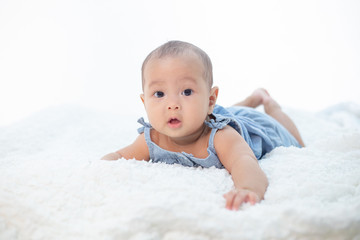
(229, 199)
(253, 198)
(239, 199)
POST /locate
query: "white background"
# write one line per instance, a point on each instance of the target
(52, 52)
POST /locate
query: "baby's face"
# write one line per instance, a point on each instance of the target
(176, 96)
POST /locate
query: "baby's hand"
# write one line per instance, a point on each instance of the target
(235, 198)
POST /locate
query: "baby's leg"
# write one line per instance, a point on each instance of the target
(272, 108)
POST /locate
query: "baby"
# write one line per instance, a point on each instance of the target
(187, 127)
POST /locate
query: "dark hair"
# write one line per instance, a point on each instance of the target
(176, 48)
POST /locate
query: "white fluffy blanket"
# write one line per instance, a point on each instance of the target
(52, 185)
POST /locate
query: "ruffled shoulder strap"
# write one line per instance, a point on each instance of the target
(145, 125)
(218, 123)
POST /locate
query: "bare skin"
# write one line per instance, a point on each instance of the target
(262, 97)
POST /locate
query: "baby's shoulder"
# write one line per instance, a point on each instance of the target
(227, 136)
(229, 144)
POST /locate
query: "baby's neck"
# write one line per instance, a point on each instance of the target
(195, 144)
(188, 140)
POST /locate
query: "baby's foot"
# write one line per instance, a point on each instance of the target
(261, 96)
(269, 103)
(258, 97)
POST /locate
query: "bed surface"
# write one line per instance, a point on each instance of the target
(53, 185)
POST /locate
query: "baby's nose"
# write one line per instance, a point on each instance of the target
(173, 107)
(173, 104)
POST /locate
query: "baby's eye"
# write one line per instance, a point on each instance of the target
(159, 94)
(187, 92)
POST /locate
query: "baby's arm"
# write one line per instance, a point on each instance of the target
(237, 157)
(138, 150)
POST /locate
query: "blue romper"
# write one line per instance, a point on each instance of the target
(260, 131)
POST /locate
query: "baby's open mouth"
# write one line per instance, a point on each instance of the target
(174, 122)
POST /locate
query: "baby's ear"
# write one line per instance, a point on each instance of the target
(142, 98)
(212, 99)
